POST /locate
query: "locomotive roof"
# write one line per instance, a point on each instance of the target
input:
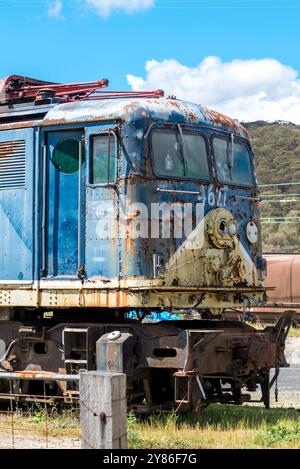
(131, 110)
(26, 98)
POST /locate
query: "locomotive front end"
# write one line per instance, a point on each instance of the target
(194, 223)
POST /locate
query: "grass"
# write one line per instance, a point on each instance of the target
(63, 423)
(294, 332)
(220, 426)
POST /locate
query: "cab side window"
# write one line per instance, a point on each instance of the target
(104, 159)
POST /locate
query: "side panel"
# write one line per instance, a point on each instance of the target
(102, 209)
(16, 205)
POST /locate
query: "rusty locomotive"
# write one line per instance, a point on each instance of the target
(114, 202)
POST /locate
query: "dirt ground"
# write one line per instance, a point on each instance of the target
(37, 442)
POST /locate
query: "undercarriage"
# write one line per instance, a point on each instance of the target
(170, 365)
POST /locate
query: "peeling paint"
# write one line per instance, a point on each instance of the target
(131, 110)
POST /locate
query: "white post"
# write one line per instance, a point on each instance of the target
(103, 410)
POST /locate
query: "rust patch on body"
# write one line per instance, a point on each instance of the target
(220, 119)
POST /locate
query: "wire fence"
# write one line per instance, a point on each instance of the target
(32, 421)
(57, 416)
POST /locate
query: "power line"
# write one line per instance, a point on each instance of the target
(280, 218)
(281, 201)
(277, 184)
(280, 195)
(283, 222)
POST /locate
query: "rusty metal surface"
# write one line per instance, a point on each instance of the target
(225, 121)
(38, 376)
(8, 84)
(131, 296)
(283, 273)
(166, 109)
(15, 88)
(154, 356)
(282, 287)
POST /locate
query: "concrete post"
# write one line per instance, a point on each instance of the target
(103, 410)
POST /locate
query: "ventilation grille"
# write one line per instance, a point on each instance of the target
(12, 165)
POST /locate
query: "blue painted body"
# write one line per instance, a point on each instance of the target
(21, 210)
(17, 217)
(62, 196)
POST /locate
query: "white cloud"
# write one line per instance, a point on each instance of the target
(106, 7)
(55, 9)
(244, 89)
(103, 8)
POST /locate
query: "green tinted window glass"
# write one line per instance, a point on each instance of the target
(197, 164)
(221, 159)
(65, 156)
(104, 160)
(239, 170)
(167, 154)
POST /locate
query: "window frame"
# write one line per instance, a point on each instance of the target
(185, 129)
(92, 138)
(226, 136)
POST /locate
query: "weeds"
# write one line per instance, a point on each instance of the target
(285, 432)
(63, 422)
(220, 426)
(294, 332)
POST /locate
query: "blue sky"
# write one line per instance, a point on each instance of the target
(69, 40)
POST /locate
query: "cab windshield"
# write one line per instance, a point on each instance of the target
(233, 162)
(179, 154)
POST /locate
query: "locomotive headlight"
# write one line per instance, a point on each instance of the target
(232, 228)
(252, 232)
(221, 228)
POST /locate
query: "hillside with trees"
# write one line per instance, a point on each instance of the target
(277, 154)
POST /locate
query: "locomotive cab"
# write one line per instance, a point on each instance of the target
(130, 203)
(147, 204)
